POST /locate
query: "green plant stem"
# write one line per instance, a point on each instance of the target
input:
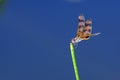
(74, 61)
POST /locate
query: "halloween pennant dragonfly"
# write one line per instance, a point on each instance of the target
(84, 31)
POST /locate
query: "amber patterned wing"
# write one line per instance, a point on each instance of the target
(81, 24)
(88, 26)
(87, 29)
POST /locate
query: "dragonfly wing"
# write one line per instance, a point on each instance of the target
(81, 24)
(88, 26)
(87, 29)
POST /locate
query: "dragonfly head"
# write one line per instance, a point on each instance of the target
(73, 40)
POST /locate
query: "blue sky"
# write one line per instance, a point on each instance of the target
(35, 36)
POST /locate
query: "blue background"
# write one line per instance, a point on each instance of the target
(35, 37)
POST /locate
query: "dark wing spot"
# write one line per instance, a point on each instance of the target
(81, 20)
(87, 36)
(88, 24)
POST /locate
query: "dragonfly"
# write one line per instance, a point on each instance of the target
(84, 30)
